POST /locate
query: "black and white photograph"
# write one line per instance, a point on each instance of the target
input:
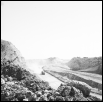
(51, 50)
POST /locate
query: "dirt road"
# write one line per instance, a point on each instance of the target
(53, 82)
(87, 76)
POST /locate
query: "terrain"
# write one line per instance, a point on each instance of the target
(60, 69)
(85, 64)
(16, 81)
(43, 80)
(65, 75)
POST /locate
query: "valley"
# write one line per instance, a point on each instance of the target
(53, 76)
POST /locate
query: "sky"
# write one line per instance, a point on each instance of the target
(63, 29)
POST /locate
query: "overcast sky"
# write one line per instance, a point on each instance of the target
(63, 29)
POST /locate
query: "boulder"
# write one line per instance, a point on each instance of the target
(25, 99)
(66, 91)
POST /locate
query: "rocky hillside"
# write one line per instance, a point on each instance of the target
(93, 65)
(10, 54)
(14, 74)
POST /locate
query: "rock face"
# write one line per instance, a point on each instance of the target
(11, 54)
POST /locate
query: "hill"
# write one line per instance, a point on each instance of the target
(10, 54)
(93, 65)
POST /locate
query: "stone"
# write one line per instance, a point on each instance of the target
(2, 81)
(66, 91)
(25, 99)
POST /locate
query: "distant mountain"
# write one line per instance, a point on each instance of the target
(58, 60)
(93, 65)
(33, 64)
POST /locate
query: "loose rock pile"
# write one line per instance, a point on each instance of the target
(19, 92)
